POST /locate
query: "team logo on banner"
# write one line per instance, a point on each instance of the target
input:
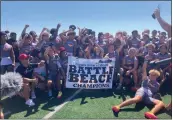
(90, 73)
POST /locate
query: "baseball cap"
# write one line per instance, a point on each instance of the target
(61, 49)
(33, 33)
(23, 57)
(2, 33)
(100, 33)
(13, 33)
(134, 31)
(73, 27)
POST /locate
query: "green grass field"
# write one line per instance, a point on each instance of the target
(87, 104)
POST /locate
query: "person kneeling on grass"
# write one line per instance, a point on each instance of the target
(130, 64)
(54, 66)
(26, 70)
(149, 87)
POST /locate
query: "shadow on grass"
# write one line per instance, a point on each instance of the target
(16, 104)
(83, 100)
(95, 94)
(169, 112)
(138, 107)
(55, 101)
(115, 113)
(161, 111)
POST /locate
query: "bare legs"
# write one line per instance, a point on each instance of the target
(158, 106)
(134, 100)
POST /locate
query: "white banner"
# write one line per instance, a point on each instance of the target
(90, 73)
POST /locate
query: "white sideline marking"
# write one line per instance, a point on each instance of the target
(7, 113)
(61, 105)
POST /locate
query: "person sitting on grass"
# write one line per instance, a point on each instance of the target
(26, 70)
(130, 64)
(149, 87)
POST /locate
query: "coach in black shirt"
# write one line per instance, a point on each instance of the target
(26, 70)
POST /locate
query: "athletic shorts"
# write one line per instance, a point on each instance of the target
(124, 73)
(52, 77)
(6, 68)
(146, 95)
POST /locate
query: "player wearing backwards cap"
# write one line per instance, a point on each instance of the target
(69, 42)
(7, 55)
(26, 70)
(149, 87)
(54, 67)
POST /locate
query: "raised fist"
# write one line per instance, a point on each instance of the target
(26, 26)
(59, 25)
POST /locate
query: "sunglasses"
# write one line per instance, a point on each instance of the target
(153, 74)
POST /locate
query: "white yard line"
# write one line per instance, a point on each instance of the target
(7, 113)
(61, 105)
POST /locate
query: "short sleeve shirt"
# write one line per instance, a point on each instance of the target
(153, 86)
(26, 72)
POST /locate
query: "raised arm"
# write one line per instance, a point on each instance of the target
(40, 36)
(62, 36)
(83, 39)
(23, 32)
(22, 41)
(167, 27)
(121, 46)
(46, 57)
(56, 32)
(79, 31)
(101, 49)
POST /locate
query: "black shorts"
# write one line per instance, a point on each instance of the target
(6, 68)
(124, 73)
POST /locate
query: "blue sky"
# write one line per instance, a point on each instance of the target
(105, 16)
